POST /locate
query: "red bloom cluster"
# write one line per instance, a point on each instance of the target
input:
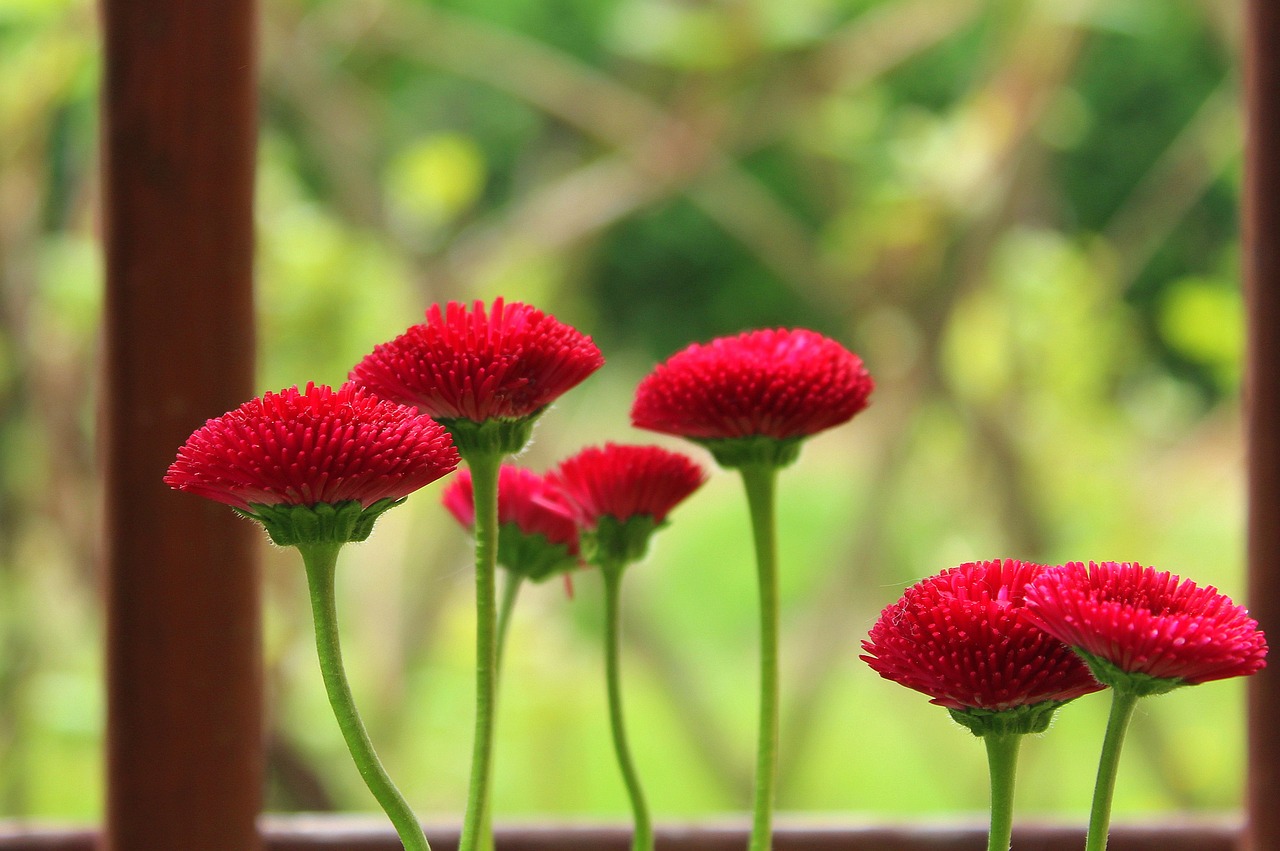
(1147, 622)
(626, 481)
(781, 384)
(963, 638)
(508, 363)
(318, 445)
(530, 502)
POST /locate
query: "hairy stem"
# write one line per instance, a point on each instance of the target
(510, 591)
(1122, 706)
(476, 830)
(642, 839)
(1002, 764)
(760, 481)
(320, 561)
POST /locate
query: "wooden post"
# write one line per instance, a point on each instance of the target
(1262, 406)
(184, 764)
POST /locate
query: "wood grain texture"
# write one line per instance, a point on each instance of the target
(184, 753)
(1261, 217)
(331, 833)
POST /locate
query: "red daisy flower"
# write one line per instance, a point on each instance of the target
(318, 445)
(623, 482)
(527, 501)
(1145, 622)
(963, 638)
(781, 384)
(508, 363)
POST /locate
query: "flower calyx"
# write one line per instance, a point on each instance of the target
(531, 555)
(1129, 682)
(1020, 720)
(615, 543)
(494, 437)
(321, 523)
(753, 451)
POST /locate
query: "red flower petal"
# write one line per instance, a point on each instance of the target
(776, 383)
(963, 638)
(317, 445)
(505, 364)
(625, 481)
(1147, 622)
(534, 504)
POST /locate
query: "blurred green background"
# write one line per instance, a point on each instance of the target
(1022, 213)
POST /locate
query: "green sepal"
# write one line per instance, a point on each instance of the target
(1020, 720)
(1131, 682)
(532, 556)
(494, 437)
(756, 450)
(322, 523)
(615, 543)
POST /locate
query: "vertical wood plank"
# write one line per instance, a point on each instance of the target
(1262, 405)
(184, 764)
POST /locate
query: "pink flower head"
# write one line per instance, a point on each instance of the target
(318, 445)
(529, 502)
(508, 363)
(780, 384)
(624, 482)
(963, 638)
(1148, 623)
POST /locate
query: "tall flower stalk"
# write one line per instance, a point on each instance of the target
(538, 539)
(963, 637)
(760, 483)
(316, 468)
(621, 495)
(486, 375)
(751, 399)
(320, 560)
(1141, 632)
(538, 536)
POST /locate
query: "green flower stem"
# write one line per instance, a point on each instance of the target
(760, 481)
(1122, 706)
(642, 839)
(320, 561)
(484, 486)
(1002, 763)
(510, 591)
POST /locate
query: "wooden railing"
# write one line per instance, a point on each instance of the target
(345, 834)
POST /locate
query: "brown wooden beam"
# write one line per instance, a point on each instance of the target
(330, 833)
(1261, 216)
(294, 835)
(184, 764)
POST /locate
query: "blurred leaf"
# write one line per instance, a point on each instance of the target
(434, 180)
(668, 32)
(1202, 319)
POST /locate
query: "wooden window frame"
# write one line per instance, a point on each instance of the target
(183, 642)
(344, 833)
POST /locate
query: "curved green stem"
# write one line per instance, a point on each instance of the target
(320, 561)
(511, 585)
(1122, 705)
(1002, 764)
(760, 480)
(642, 839)
(484, 487)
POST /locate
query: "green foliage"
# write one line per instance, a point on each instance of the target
(670, 277)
